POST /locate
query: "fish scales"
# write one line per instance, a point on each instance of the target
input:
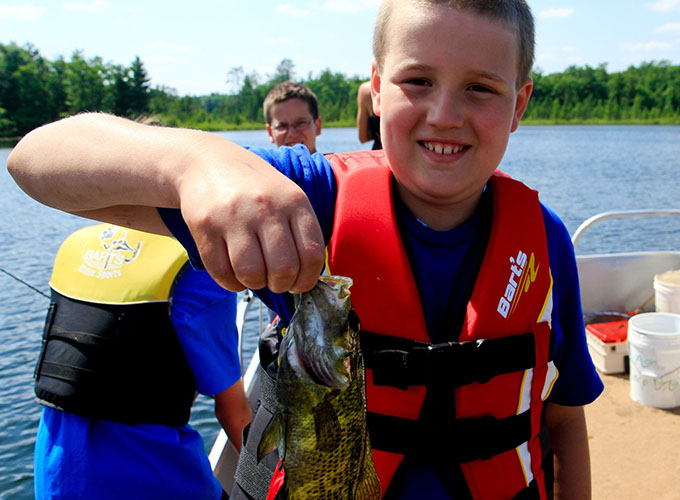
(319, 427)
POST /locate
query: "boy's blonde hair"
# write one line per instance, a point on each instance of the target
(515, 14)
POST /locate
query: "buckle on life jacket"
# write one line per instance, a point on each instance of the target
(399, 362)
(450, 363)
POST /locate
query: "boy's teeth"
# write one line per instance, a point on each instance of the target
(442, 149)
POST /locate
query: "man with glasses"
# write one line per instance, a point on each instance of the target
(292, 114)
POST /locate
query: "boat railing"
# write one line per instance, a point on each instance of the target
(620, 214)
(621, 281)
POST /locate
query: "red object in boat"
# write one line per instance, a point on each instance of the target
(610, 332)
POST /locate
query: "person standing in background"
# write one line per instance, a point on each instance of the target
(368, 123)
(132, 333)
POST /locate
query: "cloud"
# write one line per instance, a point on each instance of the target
(25, 12)
(556, 13)
(93, 6)
(350, 6)
(665, 5)
(668, 27)
(163, 46)
(645, 46)
(289, 10)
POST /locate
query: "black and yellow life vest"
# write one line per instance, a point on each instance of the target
(109, 349)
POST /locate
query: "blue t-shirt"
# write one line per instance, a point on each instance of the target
(436, 258)
(83, 458)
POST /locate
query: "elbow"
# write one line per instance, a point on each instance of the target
(18, 166)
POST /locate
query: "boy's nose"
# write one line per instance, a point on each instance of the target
(446, 111)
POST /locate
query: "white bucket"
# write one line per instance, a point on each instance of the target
(667, 291)
(654, 342)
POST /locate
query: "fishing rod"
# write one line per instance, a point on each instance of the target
(24, 283)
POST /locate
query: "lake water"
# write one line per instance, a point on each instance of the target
(579, 171)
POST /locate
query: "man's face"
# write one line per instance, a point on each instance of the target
(292, 123)
(448, 101)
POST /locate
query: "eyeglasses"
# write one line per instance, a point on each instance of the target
(299, 126)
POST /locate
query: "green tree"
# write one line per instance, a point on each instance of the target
(28, 88)
(131, 90)
(87, 84)
(139, 89)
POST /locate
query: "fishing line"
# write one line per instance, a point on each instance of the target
(24, 283)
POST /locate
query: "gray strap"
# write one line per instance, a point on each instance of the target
(253, 477)
(267, 391)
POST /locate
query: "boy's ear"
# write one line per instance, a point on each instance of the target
(269, 131)
(521, 101)
(375, 89)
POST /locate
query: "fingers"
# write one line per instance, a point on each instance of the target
(281, 248)
(215, 257)
(284, 252)
(309, 243)
(253, 226)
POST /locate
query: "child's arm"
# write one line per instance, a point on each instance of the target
(233, 412)
(364, 111)
(252, 225)
(569, 440)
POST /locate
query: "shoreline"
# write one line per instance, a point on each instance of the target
(9, 142)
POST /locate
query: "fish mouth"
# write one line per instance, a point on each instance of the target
(335, 372)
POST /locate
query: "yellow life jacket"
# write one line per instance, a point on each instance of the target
(109, 350)
(108, 264)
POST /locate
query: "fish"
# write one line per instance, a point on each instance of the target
(319, 424)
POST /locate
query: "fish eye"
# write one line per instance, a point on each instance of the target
(353, 319)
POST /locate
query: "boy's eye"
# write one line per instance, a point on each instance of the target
(481, 88)
(418, 81)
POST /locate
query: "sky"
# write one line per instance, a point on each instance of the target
(192, 46)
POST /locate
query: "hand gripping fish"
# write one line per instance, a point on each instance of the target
(319, 426)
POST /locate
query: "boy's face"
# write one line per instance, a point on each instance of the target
(448, 101)
(292, 123)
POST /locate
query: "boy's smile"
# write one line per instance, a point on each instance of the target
(448, 101)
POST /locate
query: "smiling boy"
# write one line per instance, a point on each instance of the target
(463, 389)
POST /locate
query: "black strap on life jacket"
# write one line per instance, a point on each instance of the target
(439, 437)
(122, 363)
(400, 362)
(463, 440)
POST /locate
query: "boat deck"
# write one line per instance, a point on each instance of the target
(634, 449)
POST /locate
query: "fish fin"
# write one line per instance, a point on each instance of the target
(327, 425)
(270, 436)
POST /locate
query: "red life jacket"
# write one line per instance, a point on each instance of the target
(510, 307)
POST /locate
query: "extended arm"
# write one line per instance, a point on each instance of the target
(569, 440)
(252, 225)
(233, 412)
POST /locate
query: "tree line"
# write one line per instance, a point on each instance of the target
(34, 91)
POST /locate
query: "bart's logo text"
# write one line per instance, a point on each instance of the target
(114, 254)
(519, 282)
